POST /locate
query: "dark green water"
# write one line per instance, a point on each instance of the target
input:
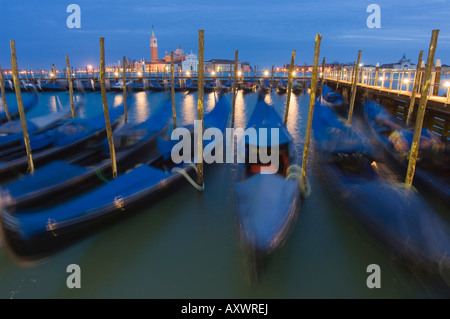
(186, 245)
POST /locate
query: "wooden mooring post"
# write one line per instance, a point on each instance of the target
(354, 89)
(414, 89)
(289, 88)
(271, 82)
(69, 78)
(201, 46)
(112, 151)
(26, 137)
(421, 110)
(2, 88)
(124, 80)
(312, 101)
(233, 105)
(322, 76)
(172, 90)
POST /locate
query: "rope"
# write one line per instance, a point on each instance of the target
(100, 176)
(183, 172)
(294, 171)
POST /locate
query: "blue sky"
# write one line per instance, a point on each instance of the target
(265, 31)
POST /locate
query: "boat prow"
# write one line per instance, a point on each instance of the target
(266, 208)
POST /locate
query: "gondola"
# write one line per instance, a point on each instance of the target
(157, 86)
(178, 87)
(54, 86)
(332, 98)
(297, 87)
(267, 199)
(34, 234)
(9, 85)
(249, 86)
(398, 218)
(226, 87)
(281, 87)
(191, 86)
(11, 135)
(14, 110)
(67, 138)
(212, 86)
(62, 179)
(266, 87)
(118, 85)
(138, 85)
(432, 172)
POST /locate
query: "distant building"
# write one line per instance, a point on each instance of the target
(155, 65)
(181, 61)
(403, 64)
(221, 65)
(245, 66)
(153, 47)
(190, 63)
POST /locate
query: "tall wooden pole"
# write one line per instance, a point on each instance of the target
(105, 108)
(354, 88)
(338, 76)
(2, 87)
(124, 80)
(271, 82)
(377, 70)
(322, 76)
(437, 78)
(289, 88)
(421, 110)
(414, 89)
(172, 90)
(69, 78)
(234, 87)
(23, 121)
(312, 101)
(201, 44)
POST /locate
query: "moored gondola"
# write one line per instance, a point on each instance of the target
(34, 234)
(266, 87)
(11, 135)
(398, 218)
(432, 172)
(267, 200)
(281, 87)
(61, 179)
(65, 139)
(14, 110)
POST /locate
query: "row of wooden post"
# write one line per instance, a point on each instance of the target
(422, 103)
(414, 146)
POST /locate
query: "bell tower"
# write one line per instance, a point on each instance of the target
(153, 47)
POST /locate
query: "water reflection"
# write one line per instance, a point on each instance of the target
(53, 105)
(293, 115)
(188, 107)
(240, 116)
(118, 99)
(142, 110)
(211, 101)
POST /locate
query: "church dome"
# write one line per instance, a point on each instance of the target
(179, 51)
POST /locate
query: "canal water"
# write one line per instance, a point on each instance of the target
(186, 245)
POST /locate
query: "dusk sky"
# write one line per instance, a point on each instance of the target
(265, 31)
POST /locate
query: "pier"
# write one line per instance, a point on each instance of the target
(394, 90)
